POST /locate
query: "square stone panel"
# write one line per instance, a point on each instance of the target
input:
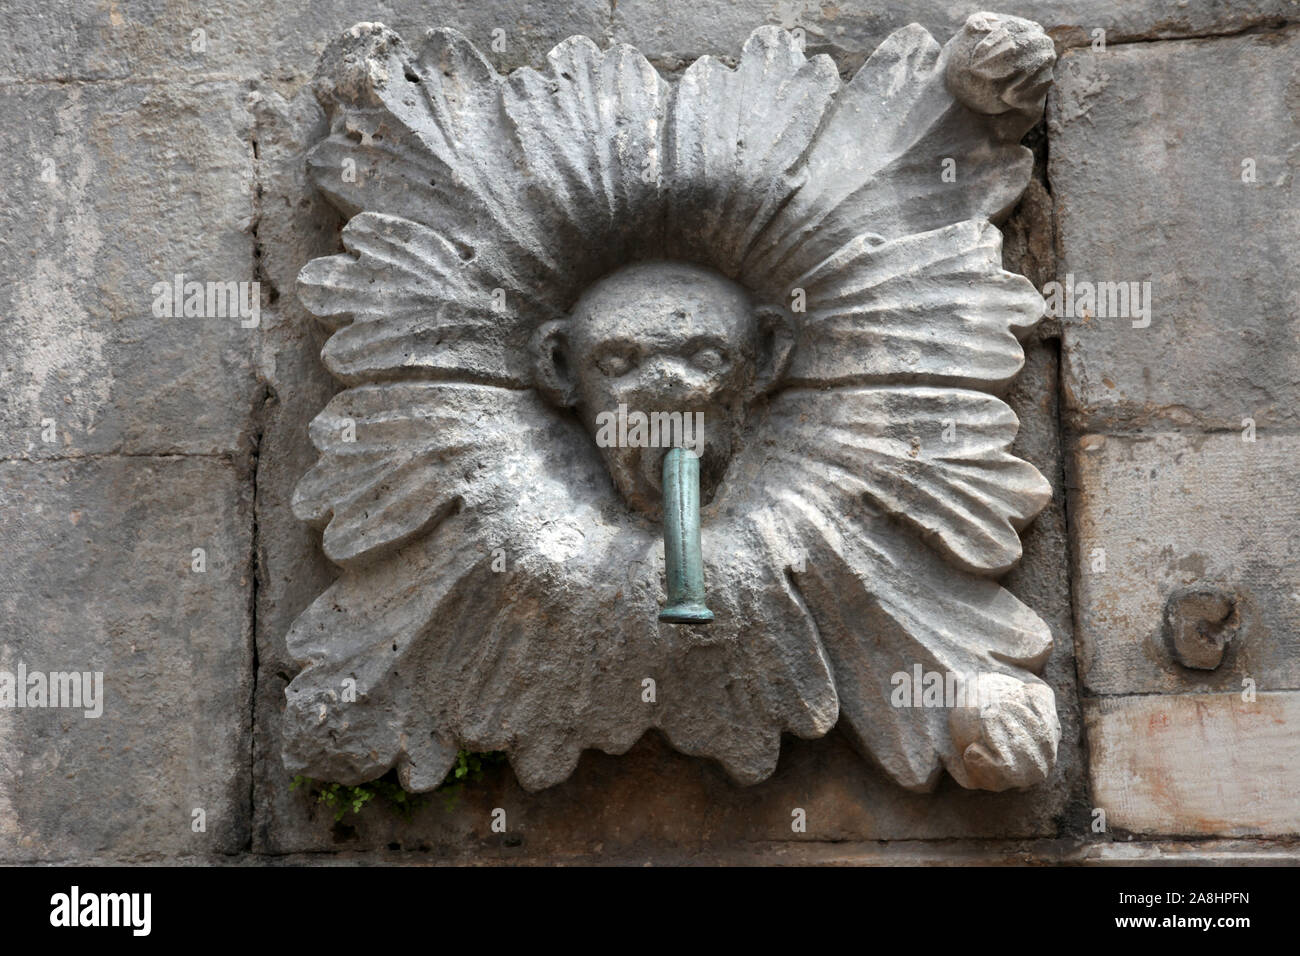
(115, 188)
(1149, 144)
(1159, 516)
(651, 796)
(97, 576)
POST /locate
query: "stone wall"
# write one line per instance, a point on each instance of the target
(150, 139)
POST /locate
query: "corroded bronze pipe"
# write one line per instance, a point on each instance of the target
(683, 560)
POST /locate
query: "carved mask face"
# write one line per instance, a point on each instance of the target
(852, 525)
(674, 346)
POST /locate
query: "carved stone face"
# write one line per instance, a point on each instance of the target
(673, 342)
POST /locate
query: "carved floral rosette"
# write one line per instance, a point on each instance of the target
(497, 592)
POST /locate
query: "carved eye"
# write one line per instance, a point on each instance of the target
(614, 364)
(709, 359)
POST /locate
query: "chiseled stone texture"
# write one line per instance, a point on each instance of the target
(113, 188)
(281, 41)
(1175, 513)
(152, 145)
(297, 225)
(277, 41)
(96, 575)
(674, 32)
(1148, 143)
(1196, 764)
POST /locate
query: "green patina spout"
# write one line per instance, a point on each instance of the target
(683, 561)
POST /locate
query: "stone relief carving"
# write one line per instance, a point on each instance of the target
(809, 267)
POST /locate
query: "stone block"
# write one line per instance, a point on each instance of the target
(1186, 533)
(297, 225)
(1174, 165)
(674, 32)
(115, 191)
(97, 576)
(1196, 764)
(66, 39)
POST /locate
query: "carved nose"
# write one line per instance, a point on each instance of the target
(683, 558)
(672, 383)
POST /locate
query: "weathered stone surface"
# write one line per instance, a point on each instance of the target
(655, 800)
(568, 819)
(1195, 764)
(1001, 64)
(498, 593)
(279, 42)
(1042, 579)
(296, 225)
(674, 32)
(160, 141)
(97, 576)
(116, 188)
(1165, 203)
(1199, 623)
(1160, 516)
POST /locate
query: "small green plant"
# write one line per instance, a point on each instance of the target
(344, 798)
(468, 768)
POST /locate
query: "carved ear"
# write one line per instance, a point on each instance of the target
(775, 347)
(552, 370)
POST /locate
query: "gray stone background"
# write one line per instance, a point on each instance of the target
(173, 434)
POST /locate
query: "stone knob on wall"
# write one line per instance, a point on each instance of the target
(553, 277)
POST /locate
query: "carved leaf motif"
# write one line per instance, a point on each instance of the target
(850, 539)
(416, 307)
(590, 146)
(933, 308)
(876, 162)
(885, 603)
(936, 459)
(398, 457)
(735, 143)
(424, 137)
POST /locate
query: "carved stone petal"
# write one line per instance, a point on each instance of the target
(935, 459)
(590, 135)
(733, 140)
(416, 305)
(421, 135)
(397, 458)
(1009, 739)
(875, 165)
(886, 604)
(933, 308)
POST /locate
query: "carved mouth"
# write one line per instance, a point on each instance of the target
(648, 469)
(638, 473)
(652, 467)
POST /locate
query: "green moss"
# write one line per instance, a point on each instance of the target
(386, 791)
